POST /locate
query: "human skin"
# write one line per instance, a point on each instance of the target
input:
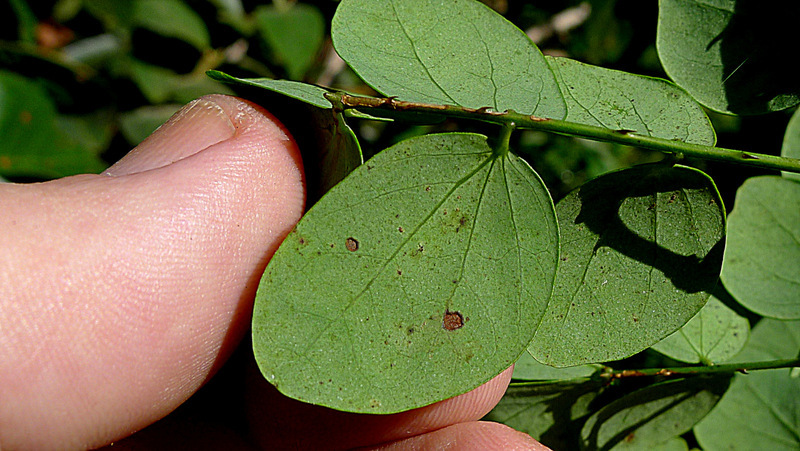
(122, 293)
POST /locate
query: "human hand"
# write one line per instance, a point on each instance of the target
(122, 293)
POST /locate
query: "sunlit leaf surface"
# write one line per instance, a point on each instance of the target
(420, 276)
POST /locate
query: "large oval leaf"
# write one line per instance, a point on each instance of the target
(725, 53)
(762, 261)
(621, 101)
(417, 278)
(640, 249)
(457, 52)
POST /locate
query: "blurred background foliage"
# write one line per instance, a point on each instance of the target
(83, 81)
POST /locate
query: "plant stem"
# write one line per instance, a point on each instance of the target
(628, 137)
(696, 370)
(504, 140)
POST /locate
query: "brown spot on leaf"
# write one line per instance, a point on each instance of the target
(452, 320)
(351, 244)
(25, 117)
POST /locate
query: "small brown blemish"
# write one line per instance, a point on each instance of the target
(400, 229)
(25, 117)
(452, 320)
(351, 244)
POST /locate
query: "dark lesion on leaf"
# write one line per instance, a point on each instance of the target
(452, 320)
(351, 244)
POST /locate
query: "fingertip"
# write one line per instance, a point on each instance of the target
(131, 287)
(476, 435)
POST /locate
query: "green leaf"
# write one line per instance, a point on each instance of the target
(419, 277)
(761, 267)
(724, 53)
(714, 335)
(36, 141)
(654, 414)
(547, 412)
(138, 124)
(161, 85)
(304, 92)
(457, 52)
(760, 410)
(673, 444)
(791, 143)
(640, 249)
(26, 21)
(171, 18)
(294, 33)
(527, 368)
(340, 151)
(622, 101)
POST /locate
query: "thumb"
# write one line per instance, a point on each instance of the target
(121, 293)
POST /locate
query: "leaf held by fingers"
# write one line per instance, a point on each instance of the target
(419, 277)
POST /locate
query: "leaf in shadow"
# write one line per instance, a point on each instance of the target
(654, 414)
(640, 250)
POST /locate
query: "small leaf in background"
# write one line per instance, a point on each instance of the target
(36, 141)
(724, 53)
(294, 32)
(791, 143)
(654, 414)
(26, 20)
(527, 368)
(304, 92)
(171, 18)
(762, 261)
(760, 410)
(340, 151)
(138, 124)
(547, 412)
(419, 277)
(640, 248)
(713, 336)
(458, 52)
(160, 84)
(622, 101)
